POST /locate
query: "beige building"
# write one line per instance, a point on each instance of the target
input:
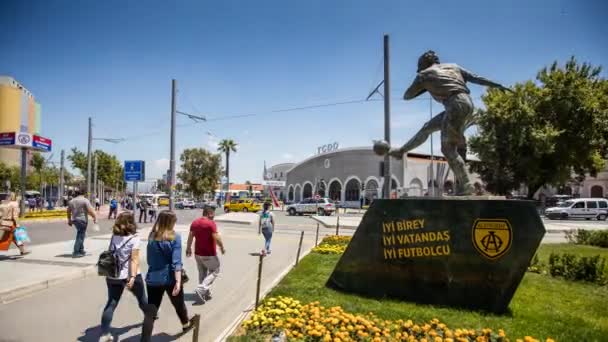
(19, 112)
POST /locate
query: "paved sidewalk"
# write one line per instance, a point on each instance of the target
(82, 294)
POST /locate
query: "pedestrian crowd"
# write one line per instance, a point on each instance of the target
(120, 263)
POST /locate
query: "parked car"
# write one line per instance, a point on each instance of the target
(188, 203)
(243, 205)
(322, 206)
(586, 208)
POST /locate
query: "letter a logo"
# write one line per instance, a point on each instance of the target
(492, 237)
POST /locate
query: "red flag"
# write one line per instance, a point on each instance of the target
(275, 201)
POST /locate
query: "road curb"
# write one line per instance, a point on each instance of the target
(22, 291)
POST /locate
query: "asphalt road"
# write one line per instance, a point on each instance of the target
(47, 232)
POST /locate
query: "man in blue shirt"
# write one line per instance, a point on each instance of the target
(113, 208)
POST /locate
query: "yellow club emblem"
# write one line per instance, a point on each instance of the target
(492, 237)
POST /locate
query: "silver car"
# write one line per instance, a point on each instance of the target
(321, 207)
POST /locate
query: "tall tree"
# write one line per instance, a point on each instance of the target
(545, 132)
(226, 146)
(109, 168)
(200, 170)
(37, 162)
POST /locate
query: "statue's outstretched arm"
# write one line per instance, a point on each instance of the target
(471, 77)
(415, 89)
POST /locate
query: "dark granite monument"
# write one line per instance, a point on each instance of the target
(467, 253)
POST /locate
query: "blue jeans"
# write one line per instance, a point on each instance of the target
(267, 237)
(115, 290)
(81, 231)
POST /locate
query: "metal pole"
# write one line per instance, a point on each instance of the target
(432, 153)
(61, 178)
(197, 323)
(299, 248)
(317, 235)
(387, 119)
(22, 181)
(338, 226)
(89, 146)
(257, 289)
(95, 183)
(172, 157)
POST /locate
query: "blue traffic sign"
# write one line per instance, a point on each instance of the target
(135, 170)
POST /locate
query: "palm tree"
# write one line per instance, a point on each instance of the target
(227, 145)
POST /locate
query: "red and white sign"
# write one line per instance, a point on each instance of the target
(275, 201)
(25, 140)
(42, 143)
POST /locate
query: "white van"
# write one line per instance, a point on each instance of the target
(587, 208)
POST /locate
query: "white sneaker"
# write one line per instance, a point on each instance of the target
(106, 338)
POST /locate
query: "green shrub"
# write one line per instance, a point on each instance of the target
(598, 238)
(572, 267)
(579, 236)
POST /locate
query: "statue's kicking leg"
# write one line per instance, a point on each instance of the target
(429, 127)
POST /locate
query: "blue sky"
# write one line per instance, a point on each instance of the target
(114, 61)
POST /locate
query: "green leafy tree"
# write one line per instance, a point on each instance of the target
(226, 146)
(109, 168)
(200, 170)
(37, 162)
(545, 132)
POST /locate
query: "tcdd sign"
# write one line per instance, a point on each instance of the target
(327, 148)
(135, 170)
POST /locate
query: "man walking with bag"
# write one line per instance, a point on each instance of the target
(79, 209)
(204, 231)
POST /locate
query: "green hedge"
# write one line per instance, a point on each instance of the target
(597, 238)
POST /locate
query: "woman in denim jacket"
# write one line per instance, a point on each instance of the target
(164, 255)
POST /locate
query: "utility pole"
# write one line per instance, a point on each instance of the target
(90, 142)
(95, 187)
(387, 119)
(61, 178)
(172, 157)
(23, 179)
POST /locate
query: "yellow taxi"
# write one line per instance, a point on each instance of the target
(163, 201)
(243, 205)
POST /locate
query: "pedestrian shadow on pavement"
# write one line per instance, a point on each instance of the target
(10, 257)
(190, 297)
(92, 334)
(162, 337)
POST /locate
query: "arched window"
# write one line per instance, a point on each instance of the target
(415, 187)
(335, 191)
(307, 192)
(298, 193)
(597, 191)
(290, 194)
(321, 186)
(352, 190)
(371, 191)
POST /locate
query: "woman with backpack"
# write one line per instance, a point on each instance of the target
(164, 255)
(267, 226)
(123, 271)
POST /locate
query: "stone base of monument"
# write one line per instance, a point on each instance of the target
(467, 253)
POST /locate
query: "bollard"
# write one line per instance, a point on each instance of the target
(197, 323)
(257, 290)
(299, 248)
(338, 226)
(317, 235)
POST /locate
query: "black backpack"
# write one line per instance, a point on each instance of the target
(107, 265)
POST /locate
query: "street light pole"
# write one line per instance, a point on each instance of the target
(90, 142)
(61, 178)
(172, 157)
(95, 184)
(387, 119)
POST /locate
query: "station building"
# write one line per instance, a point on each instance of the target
(353, 176)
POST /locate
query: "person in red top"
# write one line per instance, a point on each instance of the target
(203, 232)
